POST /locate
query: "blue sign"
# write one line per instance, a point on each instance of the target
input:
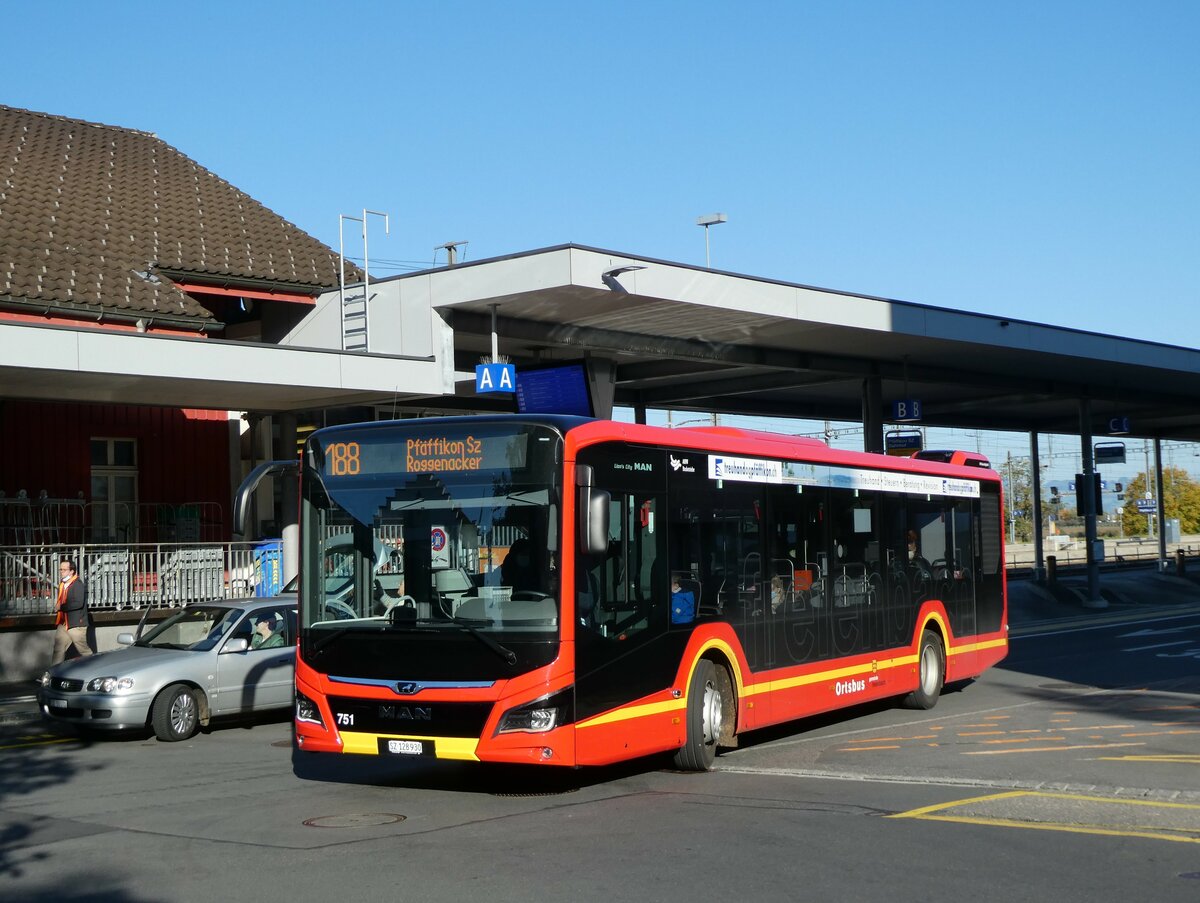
(1118, 426)
(906, 410)
(495, 378)
(897, 443)
(1147, 506)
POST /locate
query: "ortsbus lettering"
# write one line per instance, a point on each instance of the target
(439, 454)
(843, 687)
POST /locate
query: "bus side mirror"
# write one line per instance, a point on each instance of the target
(592, 505)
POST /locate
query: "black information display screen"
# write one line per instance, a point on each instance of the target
(554, 390)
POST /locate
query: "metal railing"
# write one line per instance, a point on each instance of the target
(46, 521)
(121, 577)
(1072, 551)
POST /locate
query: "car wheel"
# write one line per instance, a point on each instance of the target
(176, 714)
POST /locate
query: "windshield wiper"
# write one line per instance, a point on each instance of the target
(503, 651)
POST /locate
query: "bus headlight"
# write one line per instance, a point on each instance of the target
(306, 710)
(541, 715)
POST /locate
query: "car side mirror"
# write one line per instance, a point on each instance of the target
(236, 644)
(125, 639)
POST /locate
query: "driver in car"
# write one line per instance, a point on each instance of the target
(266, 632)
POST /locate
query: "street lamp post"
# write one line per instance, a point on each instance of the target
(710, 219)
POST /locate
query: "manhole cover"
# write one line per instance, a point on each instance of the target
(362, 820)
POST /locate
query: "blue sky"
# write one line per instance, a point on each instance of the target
(1032, 160)
(1027, 159)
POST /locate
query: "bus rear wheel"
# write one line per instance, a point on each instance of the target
(931, 672)
(705, 709)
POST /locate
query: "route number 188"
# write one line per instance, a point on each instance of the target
(342, 459)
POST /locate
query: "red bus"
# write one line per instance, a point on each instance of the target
(564, 591)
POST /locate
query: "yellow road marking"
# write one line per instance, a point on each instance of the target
(980, 733)
(41, 743)
(1151, 832)
(1001, 752)
(1183, 759)
(1013, 740)
(865, 748)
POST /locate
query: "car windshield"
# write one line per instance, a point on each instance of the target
(197, 628)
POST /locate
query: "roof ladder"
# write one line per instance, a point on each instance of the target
(354, 319)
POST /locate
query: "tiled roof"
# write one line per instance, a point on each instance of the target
(89, 211)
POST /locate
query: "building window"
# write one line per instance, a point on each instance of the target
(114, 490)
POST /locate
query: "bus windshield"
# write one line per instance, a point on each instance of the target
(449, 529)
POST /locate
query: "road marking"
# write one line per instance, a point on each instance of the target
(1159, 733)
(1148, 632)
(39, 743)
(1192, 759)
(1180, 821)
(1001, 752)
(1158, 646)
(865, 748)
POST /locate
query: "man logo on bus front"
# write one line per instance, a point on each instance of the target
(408, 688)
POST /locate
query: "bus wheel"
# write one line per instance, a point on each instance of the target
(931, 674)
(175, 714)
(704, 708)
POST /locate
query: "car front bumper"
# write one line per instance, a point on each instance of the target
(96, 710)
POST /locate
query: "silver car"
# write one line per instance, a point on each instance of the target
(207, 660)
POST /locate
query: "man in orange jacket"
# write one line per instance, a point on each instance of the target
(72, 619)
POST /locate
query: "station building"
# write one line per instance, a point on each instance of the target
(161, 332)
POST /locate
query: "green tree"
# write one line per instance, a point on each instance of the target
(1181, 499)
(1018, 498)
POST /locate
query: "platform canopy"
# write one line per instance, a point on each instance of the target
(694, 339)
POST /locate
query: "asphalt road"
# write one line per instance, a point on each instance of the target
(1071, 773)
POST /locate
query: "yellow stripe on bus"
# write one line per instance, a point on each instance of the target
(771, 686)
(637, 711)
(444, 747)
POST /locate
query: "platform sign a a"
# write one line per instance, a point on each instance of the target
(495, 378)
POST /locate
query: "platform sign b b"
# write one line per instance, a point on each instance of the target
(906, 410)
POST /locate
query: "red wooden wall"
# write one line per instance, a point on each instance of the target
(182, 455)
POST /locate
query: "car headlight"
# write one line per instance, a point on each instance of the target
(541, 715)
(110, 684)
(45, 681)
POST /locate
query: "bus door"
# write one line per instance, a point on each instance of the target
(797, 540)
(960, 571)
(623, 647)
(738, 568)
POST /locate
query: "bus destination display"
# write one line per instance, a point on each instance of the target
(425, 454)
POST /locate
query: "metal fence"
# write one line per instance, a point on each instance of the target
(46, 521)
(1073, 551)
(119, 577)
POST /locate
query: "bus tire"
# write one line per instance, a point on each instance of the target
(931, 672)
(704, 719)
(175, 714)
